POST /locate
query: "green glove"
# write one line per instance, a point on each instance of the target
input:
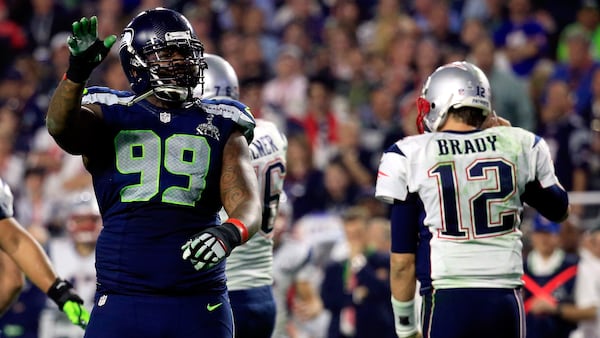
(76, 313)
(62, 293)
(87, 51)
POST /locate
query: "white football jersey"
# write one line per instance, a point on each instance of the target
(470, 184)
(250, 265)
(81, 272)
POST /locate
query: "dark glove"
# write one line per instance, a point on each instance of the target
(209, 247)
(87, 51)
(62, 293)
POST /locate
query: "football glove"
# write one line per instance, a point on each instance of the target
(210, 246)
(62, 293)
(87, 51)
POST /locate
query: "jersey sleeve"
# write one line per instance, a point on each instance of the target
(543, 164)
(6, 201)
(391, 177)
(234, 110)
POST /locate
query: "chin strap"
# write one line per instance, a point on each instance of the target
(139, 98)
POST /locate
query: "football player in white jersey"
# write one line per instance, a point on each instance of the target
(31, 259)
(74, 258)
(249, 267)
(472, 183)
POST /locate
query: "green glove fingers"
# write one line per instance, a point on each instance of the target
(87, 50)
(110, 41)
(85, 33)
(76, 313)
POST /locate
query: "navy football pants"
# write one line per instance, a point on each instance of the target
(473, 313)
(147, 316)
(254, 312)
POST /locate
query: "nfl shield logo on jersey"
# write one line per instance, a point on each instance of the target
(165, 117)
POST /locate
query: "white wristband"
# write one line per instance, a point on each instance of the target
(404, 318)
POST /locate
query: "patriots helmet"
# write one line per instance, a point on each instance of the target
(454, 85)
(160, 53)
(83, 217)
(220, 79)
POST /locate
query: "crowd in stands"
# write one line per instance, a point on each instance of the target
(340, 78)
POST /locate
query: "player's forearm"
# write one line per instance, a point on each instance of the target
(402, 276)
(11, 282)
(64, 107)
(239, 186)
(28, 255)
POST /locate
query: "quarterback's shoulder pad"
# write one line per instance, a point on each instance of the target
(234, 110)
(6, 201)
(107, 96)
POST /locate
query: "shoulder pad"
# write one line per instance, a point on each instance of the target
(234, 110)
(6, 201)
(107, 96)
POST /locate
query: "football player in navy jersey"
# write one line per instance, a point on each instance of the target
(163, 165)
(22, 248)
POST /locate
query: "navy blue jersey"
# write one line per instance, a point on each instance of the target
(156, 176)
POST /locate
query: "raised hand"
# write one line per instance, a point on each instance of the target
(87, 50)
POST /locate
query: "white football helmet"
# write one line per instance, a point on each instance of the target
(454, 85)
(84, 221)
(220, 80)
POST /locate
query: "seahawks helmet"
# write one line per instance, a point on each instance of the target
(220, 79)
(454, 85)
(160, 53)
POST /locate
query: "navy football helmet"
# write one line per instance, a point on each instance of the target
(161, 53)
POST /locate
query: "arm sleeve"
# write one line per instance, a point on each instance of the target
(405, 224)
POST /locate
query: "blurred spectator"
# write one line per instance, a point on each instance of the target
(378, 119)
(507, 91)
(522, 38)
(305, 12)
(295, 35)
(375, 35)
(203, 19)
(298, 266)
(566, 135)
(47, 18)
(588, 21)
(549, 283)
(302, 177)
(356, 289)
(587, 286)
(286, 92)
(252, 61)
(12, 165)
(13, 39)
(345, 14)
(570, 235)
(577, 71)
(359, 161)
(73, 256)
(33, 207)
(253, 25)
(379, 235)
(443, 25)
(320, 122)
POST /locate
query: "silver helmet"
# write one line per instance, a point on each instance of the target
(454, 85)
(220, 79)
